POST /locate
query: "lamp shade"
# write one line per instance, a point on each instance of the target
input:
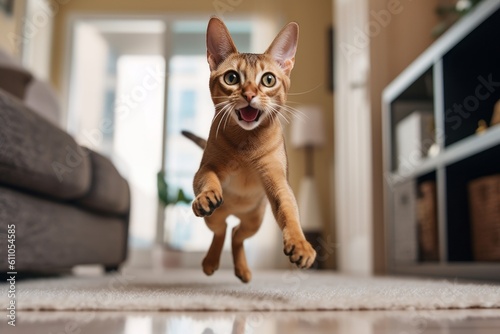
(308, 130)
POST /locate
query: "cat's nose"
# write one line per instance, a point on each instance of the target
(249, 95)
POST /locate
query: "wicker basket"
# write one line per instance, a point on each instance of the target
(484, 201)
(427, 222)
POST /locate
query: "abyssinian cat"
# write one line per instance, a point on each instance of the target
(244, 159)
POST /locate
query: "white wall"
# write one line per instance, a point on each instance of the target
(87, 85)
(37, 49)
(353, 140)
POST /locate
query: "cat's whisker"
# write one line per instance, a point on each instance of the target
(215, 118)
(228, 116)
(284, 117)
(294, 112)
(271, 114)
(276, 118)
(218, 125)
(227, 113)
(221, 104)
(275, 110)
(221, 111)
(278, 115)
(224, 111)
(307, 91)
(289, 111)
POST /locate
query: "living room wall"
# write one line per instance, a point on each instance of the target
(310, 74)
(11, 25)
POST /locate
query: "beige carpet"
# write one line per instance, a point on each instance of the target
(183, 290)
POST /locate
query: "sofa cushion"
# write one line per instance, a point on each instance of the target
(14, 80)
(37, 156)
(109, 192)
(38, 95)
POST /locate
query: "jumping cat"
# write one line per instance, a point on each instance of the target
(244, 159)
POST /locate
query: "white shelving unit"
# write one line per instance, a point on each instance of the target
(444, 76)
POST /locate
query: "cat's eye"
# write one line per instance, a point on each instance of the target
(268, 80)
(231, 78)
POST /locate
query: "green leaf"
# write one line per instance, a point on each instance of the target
(181, 197)
(168, 198)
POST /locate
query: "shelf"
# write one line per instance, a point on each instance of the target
(426, 166)
(456, 152)
(471, 145)
(422, 191)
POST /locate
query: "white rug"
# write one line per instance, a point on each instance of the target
(182, 290)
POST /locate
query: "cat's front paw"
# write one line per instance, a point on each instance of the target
(206, 203)
(300, 252)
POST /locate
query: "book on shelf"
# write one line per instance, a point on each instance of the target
(415, 135)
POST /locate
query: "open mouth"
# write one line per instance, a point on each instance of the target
(249, 114)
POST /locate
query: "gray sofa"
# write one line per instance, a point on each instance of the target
(69, 205)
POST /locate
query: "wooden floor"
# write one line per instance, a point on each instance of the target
(358, 322)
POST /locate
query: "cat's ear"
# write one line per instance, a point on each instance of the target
(219, 43)
(284, 46)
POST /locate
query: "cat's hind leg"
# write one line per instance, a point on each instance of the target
(217, 224)
(249, 225)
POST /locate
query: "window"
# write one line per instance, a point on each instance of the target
(111, 111)
(190, 108)
(116, 106)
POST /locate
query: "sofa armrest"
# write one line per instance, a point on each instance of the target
(37, 156)
(109, 192)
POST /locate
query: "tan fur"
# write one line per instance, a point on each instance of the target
(241, 167)
(197, 140)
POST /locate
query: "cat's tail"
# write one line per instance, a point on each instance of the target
(197, 140)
